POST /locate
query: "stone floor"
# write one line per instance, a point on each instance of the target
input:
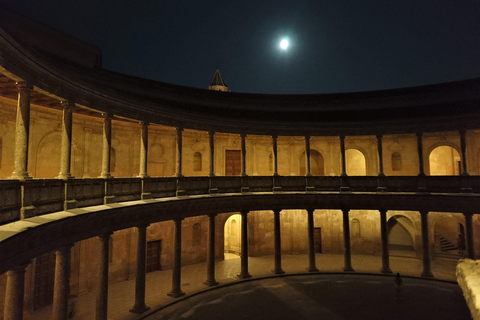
(158, 284)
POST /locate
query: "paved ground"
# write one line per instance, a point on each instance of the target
(121, 295)
(321, 296)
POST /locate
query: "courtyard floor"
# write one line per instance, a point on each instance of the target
(121, 296)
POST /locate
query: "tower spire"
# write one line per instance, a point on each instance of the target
(217, 83)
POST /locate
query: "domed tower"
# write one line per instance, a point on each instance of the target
(217, 83)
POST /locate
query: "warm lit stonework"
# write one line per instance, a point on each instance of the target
(468, 277)
(96, 165)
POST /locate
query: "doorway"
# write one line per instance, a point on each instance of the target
(233, 162)
(154, 254)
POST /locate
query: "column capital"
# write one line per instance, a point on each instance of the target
(244, 212)
(212, 133)
(277, 210)
(179, 129)
(107, 115)
(104, 236)
(212, 215)
(67, 104)
(419, 134)
(424, 212)
(23, 85)
(383, 211)
(379, 136)
(345, 210)
(144, 123)
(142, 226)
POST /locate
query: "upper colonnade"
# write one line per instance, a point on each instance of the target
(441, 107)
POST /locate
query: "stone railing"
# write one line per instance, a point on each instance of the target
(468, 278)
(23, 199)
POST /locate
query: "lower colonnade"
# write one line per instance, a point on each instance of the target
(15, 282)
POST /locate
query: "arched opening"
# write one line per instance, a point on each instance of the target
(449, 236)
(445, 161)
(316, 163)
(356, 164)
(197, 161)
(400, 234)
(232, 237)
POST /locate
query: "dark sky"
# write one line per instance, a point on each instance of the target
(336, 45)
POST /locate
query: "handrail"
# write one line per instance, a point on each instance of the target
(23, 199)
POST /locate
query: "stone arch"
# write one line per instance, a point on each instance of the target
(449, 232)
(356, 162)
(355, 228)
(232, 231)
(47, 164)
(317, 163)
(401, 233)
(444, 160)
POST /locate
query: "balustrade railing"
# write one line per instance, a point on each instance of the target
(23, 199)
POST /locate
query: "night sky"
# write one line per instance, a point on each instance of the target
(335, 45)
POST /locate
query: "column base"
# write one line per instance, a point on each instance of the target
(382, 189)
(211, 283)
(140, 309)
(245, 190)
(278, 271)
(312, 269)
(27, 212)
(213, 190)
(180, 193)
(146, 195)
(108, 199)
(70, 204)
(348, 269)
(277, 189)
(427, 274)
(176, 294)
(344, 189)
(244, 275)
(309, 189)
(386, 270)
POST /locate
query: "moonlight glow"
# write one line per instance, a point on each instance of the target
(284, 44)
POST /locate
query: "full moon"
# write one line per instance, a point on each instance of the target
(284, 44)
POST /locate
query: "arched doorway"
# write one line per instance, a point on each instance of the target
(316, 163)
(355, 162)
(48, 156)
(400, 234)
(445, 161)
(449, 236)
(232, 238)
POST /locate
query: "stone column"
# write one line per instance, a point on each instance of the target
(178, 167)
(463, 147)
(102, 284)
(421, 170)
(469, 235)
(307, 156)
(311, 242)
(211, 252)
(211, 139)
(143, 172)
(177, 261)
(140, 277)
(346, 241)
(427, 272)
(61, 288)
(22, 129)
(277, 242)
(107, 144)
(380, 155)
(384, 236)
(66, 150)
(14, 291)
(275, 155)
(342, 152)
(244, 155)
(244, 274)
